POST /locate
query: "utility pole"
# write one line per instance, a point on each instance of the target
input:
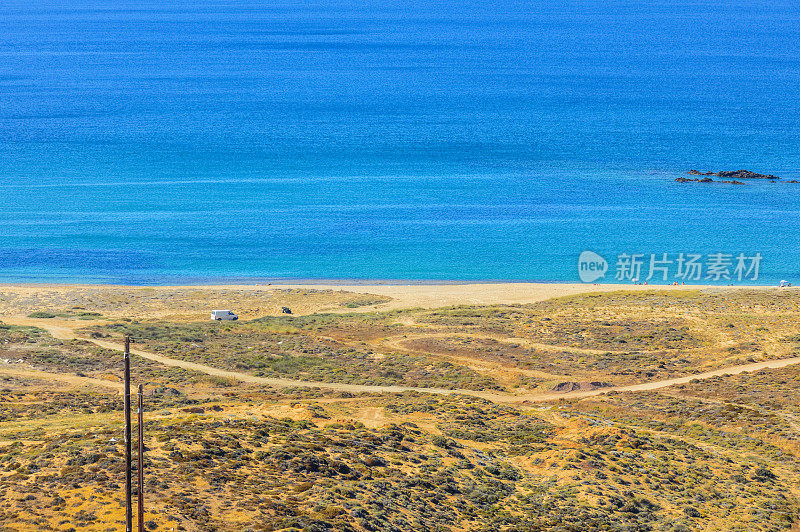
(140, 461)
(127, 391)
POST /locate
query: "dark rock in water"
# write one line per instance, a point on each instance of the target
(746, 174)
(735, 174)
(687, 180)
(708, 180)
(732, 177)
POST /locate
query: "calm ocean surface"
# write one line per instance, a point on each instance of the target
(167, 142)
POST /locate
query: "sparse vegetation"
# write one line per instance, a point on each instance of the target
(718, 454)
(296, 348)
(79, 314)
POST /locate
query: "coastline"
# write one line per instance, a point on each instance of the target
(256, 300)
(442, 295)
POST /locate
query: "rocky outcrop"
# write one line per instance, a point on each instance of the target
(735, 174)
(687, 180)
(731, 177)
(706, 180)
(578, 386)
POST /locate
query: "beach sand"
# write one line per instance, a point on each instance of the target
(190, 303)
(442, 295)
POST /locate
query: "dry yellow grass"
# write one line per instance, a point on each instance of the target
(235, 451)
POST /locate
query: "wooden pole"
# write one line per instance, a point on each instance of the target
(127, 380)
(140, 461)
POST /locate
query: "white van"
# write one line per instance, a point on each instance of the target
(223, 315)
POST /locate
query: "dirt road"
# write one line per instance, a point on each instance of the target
(63, 331)
(12, 371)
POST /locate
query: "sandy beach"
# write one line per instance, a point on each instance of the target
(186, 303)
(441, 295)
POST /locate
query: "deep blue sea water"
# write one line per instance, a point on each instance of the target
(177, 142)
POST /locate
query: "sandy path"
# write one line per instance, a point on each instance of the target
(655, 385)
(358, 388)
(60, 329)
(269, 381)
(68, 378)
(492, 396)
(397, 343)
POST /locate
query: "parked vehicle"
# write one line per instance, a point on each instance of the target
(219, 315)
(286, 310)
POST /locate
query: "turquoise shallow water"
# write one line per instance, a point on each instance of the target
(145, 142)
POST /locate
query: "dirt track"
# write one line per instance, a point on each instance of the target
(62, 331)
(6, 369)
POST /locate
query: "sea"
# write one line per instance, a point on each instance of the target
(183, 142)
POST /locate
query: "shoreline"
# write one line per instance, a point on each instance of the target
(361, 283)
(256, 300)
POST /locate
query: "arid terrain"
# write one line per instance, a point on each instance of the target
(392, 408)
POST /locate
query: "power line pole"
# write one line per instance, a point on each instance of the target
(127, 392)
(140, 462)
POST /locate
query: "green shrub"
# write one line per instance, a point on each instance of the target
(41, 314)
